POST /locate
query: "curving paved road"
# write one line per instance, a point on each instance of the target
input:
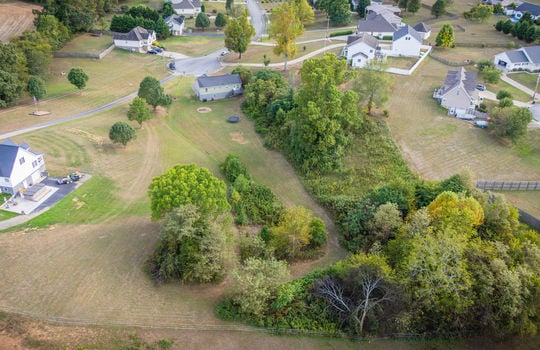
(199, 65)
(258, 17)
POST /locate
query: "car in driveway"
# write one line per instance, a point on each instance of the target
(480, 87)
(151, 52)
(172, 66)
(64, 181)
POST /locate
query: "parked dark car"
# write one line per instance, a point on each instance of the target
(172, 66)
(480, 87)
(152, 52)
(158, 49)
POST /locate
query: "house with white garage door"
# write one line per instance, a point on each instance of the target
(525, 58)
(20, 168)
(137, 40)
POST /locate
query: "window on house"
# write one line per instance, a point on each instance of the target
(34, 164)
(21, 160)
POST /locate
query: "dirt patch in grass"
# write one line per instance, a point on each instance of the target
(204, 109)
(238, 136)
(15, 18)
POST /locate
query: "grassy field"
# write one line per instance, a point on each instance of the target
(86, 43)
(255, 53)
(525, 78)
(401, 62)
(194, 45)
(115, 76)
(101, 234)
(437, 146)
(15, 18)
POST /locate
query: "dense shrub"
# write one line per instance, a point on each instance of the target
(341, 32)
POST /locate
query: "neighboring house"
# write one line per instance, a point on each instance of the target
(533, 9)
(360, 49)
(188, 8)
(137, 40)
(380, 9)
(525, 58)
(503, 3)
(379, 25)
(208, 88)
(176, 24)
(19, 167)
(406, 42)
(423, 29)
(458, 92)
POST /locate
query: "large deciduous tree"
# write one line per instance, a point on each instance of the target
(304, 11)
(361, 7)
(285, 27)
(36, 88)
(339, 12)
(10, 89)
(373, 86)
(510, 122)
(121, 132)
(151, 90)
(255, 283)
(138, 111)
(445, 38)
(187, 184)
(191, 247)
(238, 34)
(78, 77)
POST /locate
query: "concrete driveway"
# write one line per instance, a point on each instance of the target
(257, 18)
(199, 65)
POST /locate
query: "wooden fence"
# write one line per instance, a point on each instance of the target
(508, 185)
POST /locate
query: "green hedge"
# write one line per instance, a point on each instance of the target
(341, 32)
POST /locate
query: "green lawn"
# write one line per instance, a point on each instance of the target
(527, 79)
(194, 45)
(86, 43)
(4, 215)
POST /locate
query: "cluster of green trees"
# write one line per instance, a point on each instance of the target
(314, 125)
(338, 11)
(150, 93)
(410, 5)
(435, 258)
(145, 17)
(480, 12)
(525, 29)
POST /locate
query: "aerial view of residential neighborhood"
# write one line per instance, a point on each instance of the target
(269, 174)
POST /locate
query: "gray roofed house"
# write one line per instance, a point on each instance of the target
(459, 90)
(406, 42)
(407, 30)
(175, 23)
(137, 40)
(533, 9)
(525, 58)
(376, 25)
(423, 29)
(19, 167)
(187, 7)
(209, 88)
(360, 49)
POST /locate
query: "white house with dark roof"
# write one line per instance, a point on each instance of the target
(209, 88)
(137, 40)
(423, 29)
(525, 58)
(176, 24)
(188, 8)
(378, 8)
(406, 42)
(459, 91)
(20, 168)
(533, 9)
(379, 25)
(360, 49)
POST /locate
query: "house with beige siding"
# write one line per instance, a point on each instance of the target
(458, 92)
(209, 88)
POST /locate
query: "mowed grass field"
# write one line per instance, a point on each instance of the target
(438, 146)
(15, 18)
(86, 43)
(92, 267)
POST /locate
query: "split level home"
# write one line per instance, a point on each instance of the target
(176, 24)
(458, 92)
(20, 168)
(209, 88)
(137, 40)
(188, 8)
(525, 58)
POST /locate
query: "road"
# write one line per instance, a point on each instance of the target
(199, 65)
(257, 18)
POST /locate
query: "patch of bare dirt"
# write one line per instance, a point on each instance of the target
(238, 136)
(15, 18)
(204, 109)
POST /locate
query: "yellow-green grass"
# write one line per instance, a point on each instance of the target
(219, 7)
(517, 94)
(401, 62)
(115, 76)
(86, 43)
(525, 200)
(91, 259)
(255, 53)
(438, 146)
(4, 215)
(525, 78)
(194, 45)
